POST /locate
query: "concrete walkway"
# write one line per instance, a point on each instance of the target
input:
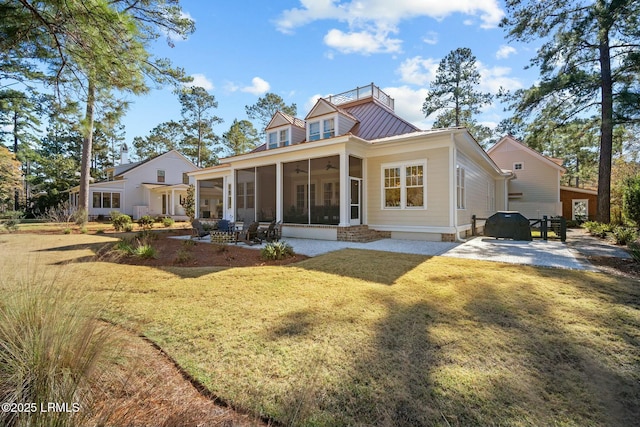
(552, 253)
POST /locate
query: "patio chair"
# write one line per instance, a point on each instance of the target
(250, 235)
(264, 233)
(197, 230)
(272, 233)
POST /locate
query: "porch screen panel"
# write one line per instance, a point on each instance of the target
(325, 174)
(245, 195)
(295, 179)
(266, 192)
(355, 167)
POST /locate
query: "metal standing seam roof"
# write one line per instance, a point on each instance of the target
(376, 121)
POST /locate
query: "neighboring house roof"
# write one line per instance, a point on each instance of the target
(509, 139)
(128, 167)
(579, 190)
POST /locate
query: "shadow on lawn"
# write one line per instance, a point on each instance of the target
(501, 357)
(350, 263)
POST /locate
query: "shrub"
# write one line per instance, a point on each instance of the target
(167, 221)
(145, 251)
(67, 230)
(631, 199)
(624, 235)
(183, 256)
(11, 224)
(634, 250)
(598, 229)
(146, 222)
(276, 251)
(99, 231)
(51, 342)
(120, 221)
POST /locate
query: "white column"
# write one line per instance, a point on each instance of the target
(279, 190)
(173, 202)
(345, 204)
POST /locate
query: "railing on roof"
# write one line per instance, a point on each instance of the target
(361, 93)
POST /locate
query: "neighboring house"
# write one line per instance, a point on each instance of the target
(534, 190)
(578, 204)
(153, 187)
(354, 170)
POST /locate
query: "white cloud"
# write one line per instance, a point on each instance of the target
(258, 87)
(431, 38)
(492, 79)
(505, 51)
(202, 81)
(418, 71)
(386, 14)
(362, 42)
(371, 21)
(311, 102)
(408, 104)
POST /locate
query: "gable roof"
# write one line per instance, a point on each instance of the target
(511, 140)
(323, 107)
(126, 168)
(280, 118)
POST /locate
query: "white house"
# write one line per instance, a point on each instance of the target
(534, 190)
(353, 170)
(155, 187)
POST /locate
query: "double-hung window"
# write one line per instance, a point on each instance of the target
(160, 176)
(404, 185)
(273, 139)
(314, 131)
(284, 137)
(328, 128)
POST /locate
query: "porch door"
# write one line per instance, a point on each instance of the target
(355, 217)
(164, 204)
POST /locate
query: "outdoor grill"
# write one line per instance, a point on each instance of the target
(508, 225)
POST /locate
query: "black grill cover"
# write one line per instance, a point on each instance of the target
(508, 225)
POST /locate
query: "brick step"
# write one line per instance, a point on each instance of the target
(361, 234)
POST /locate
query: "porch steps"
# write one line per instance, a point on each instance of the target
(361, 234)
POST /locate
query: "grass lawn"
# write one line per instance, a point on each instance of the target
(373, 338)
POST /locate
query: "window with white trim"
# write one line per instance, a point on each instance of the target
(106, 200)
(160, 176)
(329, 130)
(403, 186)
(491, 196)
(272, 140)
(314, 131)
(460, 187)
(518, 166)
(284, 137)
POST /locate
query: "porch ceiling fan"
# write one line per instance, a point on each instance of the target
(298, 170)
(330, 166)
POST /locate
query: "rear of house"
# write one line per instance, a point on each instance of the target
(354, 170)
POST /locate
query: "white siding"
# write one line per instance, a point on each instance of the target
(437, 191)
(477, 183)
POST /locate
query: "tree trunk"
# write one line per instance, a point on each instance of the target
(85, 167)
(603, 213)
(16, 194)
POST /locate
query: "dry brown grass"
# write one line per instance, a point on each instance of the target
(374, 338)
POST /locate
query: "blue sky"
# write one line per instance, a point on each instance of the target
(304, 49)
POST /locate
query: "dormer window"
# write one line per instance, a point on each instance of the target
(314, 131)
(273, 140)
(328, 127)
(284, 137)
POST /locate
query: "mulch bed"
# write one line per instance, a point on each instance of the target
(194, 253)
(625, 267)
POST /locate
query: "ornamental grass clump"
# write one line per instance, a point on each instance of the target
(276, 251)
(50, 342)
